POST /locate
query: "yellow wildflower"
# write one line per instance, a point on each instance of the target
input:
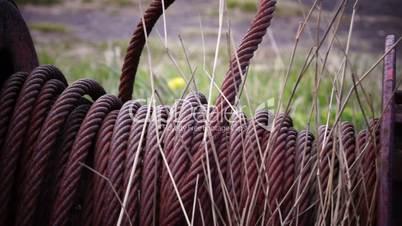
(176, 83)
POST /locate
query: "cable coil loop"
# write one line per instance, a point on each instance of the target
(74, 155)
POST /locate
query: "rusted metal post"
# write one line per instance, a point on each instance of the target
(390, 177)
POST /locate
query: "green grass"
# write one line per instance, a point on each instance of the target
(263, 86)
(290, 8)
(48, 27)
(244, 5)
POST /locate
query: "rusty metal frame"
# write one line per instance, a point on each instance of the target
(390, 178)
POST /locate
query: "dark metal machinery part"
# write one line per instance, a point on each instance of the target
(390, 176)
(68, 160)
(17, 52)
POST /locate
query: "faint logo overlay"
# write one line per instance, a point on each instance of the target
(197, 115)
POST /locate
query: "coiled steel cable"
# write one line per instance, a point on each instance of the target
(230, 88)
(137, 42)
(101, 158)
(257, 135)
(289, 175)
(108, 130)
(118, 150)
(68, 160)
(135, 150)
(80, 151)
(9, 96)
(304, 179)
(152, 168)
(348, 143)
(237, 142)
(276, 161)
(45, 147)
(368, 147)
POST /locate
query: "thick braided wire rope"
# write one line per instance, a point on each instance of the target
(44, 148)
(74, 166)
(255, 145)
(326, 159)
(348, 156)
(112, 134)
(152, 168)
(303, 191)
(360, 149)
(327, 171)
(9, 95)
(137, 42)
(101, 157)
(81, 148)
(135, 150)
(237, 143)
(219, 182)
(118, 150)
(203, 215)
(47, 96)
(369, 145)
(182, 151)
(17, 130)
(169, 142)
(70, 131)
(240, 62)
(276, 167)
(289, 175)
(230, 88)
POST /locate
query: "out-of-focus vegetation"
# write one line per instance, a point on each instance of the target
(262, 90)
(39, 2)
(284, 7)
(47, 27)
(173, 70)
(244, 5)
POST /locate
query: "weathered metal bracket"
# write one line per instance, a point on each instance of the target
(390, 176)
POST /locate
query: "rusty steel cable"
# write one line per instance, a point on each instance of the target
(117, 158)
(304, 179)
(68, 152)
(135, 150)
(79, 153)
(237, 143)
(257, 134)
(348, 144)
(276, 168)
(230, 89)
(9, 96)
(368, 147)
(327, 172)
(137, 42)
(152, 168)
(289, 175)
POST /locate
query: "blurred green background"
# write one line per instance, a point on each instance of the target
(88, 39)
